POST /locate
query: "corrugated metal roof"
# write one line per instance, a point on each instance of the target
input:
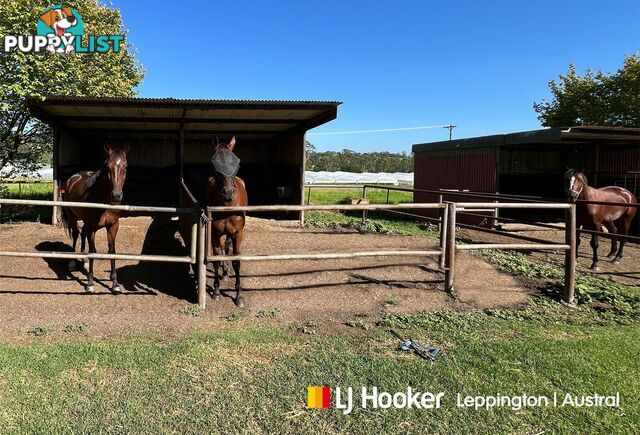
(255, 118)
(178, 102)
(555, 135)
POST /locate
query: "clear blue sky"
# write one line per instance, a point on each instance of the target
(479, 65)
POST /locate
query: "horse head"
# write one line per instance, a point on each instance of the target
(574, 183)
(225, 164)
(116, 168)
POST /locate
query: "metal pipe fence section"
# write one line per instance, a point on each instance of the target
(197, 233)
(445, 251)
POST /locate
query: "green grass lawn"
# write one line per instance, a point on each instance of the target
(254, 379)
(339, 196)
(23, 213)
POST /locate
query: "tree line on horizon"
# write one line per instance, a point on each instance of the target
(352, 161)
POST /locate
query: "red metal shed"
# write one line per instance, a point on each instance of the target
(528, 163)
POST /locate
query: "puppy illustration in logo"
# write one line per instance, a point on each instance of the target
(59, 18)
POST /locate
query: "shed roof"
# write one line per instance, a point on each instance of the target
(250, 119)
(555, 135)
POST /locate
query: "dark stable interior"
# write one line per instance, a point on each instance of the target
(272, 171)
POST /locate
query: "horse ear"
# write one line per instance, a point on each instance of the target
(127, 147)
(216, 141)
(232, 143)
(107, 149)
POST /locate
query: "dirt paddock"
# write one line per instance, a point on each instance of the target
(37, 292)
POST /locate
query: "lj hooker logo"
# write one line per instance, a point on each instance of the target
(60, 29)
(371, 397)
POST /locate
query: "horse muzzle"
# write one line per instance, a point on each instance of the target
(228, 194)
(116, 196)
(572, 196)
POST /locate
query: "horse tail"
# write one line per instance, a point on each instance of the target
(64, 215)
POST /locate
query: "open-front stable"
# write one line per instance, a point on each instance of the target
(171, 140)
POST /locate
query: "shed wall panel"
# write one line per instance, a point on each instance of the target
(465, 169)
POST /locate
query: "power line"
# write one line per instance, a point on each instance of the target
(378, 131)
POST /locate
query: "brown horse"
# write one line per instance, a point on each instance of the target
(102, 186)
(617, 219)
(225, 188)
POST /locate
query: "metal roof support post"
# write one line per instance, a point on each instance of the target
(55, 213)
(180, 162)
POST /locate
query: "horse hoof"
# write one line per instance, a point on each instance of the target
(224, 277)
(72, 266)
(216, 296)
(116, 290)
(239, 302)
(595, 268)
(616, 261)
(89, 289)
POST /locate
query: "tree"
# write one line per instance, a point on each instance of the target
(595, 98)
(23, 139)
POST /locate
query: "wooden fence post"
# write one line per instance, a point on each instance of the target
(570, 255)
(450, 243)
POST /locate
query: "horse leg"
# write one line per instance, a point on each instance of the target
(89, 288)
(217, 250)
(112, 231)
(626, 224)
(83, 246)
(594, 247)
(74, 235)
(225, 264)
(237, 243)
(614, 242)
(578, 240)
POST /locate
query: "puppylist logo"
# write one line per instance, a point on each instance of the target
(60, 29)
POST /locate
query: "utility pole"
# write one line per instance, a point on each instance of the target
(450, 127)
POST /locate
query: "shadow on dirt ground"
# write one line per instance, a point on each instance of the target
(169, 278)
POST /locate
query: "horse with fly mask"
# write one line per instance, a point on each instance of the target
(225, 188)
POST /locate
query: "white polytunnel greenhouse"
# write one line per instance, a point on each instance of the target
(340, 177)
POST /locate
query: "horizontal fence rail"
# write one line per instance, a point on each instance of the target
(121, 207)
(99, 256)
(329, 207)
(323, 256)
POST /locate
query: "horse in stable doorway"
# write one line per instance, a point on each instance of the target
(225, 188)
(102, 186)
(616, 218)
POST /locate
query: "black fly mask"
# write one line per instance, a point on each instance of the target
(225, 163)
